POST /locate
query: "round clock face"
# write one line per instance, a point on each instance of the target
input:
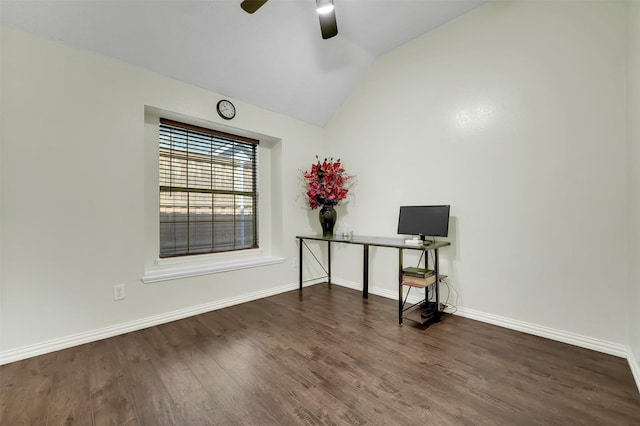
(226, 109)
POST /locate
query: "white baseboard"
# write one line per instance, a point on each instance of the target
(537, 330)
(115, 330)
(414, 296)
(111, 331)
(547, 332)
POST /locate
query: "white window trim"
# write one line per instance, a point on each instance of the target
(165, 269)
(203, 265)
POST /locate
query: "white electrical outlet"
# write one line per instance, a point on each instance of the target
(294, 262)
(118, 292)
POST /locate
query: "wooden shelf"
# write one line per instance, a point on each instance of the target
(417, 282)
(412, 281)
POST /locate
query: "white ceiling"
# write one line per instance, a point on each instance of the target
(274, 59)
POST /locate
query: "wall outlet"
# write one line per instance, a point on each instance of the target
(294, 262)
(118, 292)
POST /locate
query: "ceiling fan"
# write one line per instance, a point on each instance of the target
(325, 9)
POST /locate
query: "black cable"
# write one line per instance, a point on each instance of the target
(450, 288)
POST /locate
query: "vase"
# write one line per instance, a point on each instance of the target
(328, 218)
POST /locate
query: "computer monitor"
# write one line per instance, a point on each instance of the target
(424, 221)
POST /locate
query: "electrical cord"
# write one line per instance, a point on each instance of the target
(449, 308)
(450, 289)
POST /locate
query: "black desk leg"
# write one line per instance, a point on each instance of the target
(365, 273)
(329, 262)
(400, 296)
(300, 265)
(436, 268)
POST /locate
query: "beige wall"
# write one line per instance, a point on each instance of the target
(515, 115)
(80, 196)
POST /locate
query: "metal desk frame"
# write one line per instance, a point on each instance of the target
(367, 242)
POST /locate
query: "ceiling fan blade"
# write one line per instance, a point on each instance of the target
(251, 6)
(328, 25)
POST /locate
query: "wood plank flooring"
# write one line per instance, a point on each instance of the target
(323, 357)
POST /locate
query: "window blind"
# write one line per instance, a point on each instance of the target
(208, 196)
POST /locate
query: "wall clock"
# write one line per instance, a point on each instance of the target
(226, 109)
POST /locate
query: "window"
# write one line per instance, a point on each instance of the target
(208, 196)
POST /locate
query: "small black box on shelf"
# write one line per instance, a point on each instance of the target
(428, 307)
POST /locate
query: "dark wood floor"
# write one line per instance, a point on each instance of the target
(324, 357)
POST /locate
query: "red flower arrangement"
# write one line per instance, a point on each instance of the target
(326, 183)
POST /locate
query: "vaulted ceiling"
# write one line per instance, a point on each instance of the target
(274, 59)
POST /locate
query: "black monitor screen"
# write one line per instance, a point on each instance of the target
(426, 221)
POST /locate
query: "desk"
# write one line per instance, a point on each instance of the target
(367, 242)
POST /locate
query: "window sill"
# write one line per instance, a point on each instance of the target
(176, 272)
